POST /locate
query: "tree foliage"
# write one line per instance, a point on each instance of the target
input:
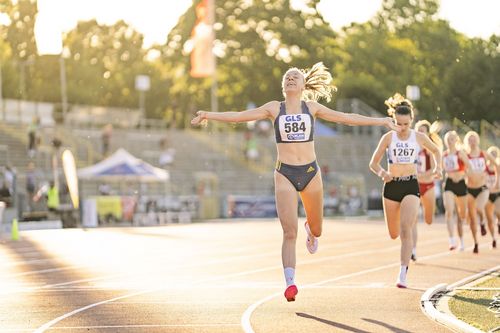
(256, 42)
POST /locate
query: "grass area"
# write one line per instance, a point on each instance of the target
(471, 306)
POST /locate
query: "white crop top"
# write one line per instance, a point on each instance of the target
(403, 151)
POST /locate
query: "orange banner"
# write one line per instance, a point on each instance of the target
(202, 57)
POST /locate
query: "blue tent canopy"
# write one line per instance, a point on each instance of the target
(123, 166)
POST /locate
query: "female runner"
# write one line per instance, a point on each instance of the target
(455, 162)
(296, 169)
(426, 178)
(477, 190)
(401, 192)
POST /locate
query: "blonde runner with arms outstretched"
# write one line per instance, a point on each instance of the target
(296, 168)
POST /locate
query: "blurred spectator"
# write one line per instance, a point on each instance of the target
(56, 143)
(375, 200)
(104, 189)
(52, 193)
(325, 173)
(33, 138)
(264, 128)
(11, 178)
(251, 152)
(31, 184)
(331, 202)
(5, 195)
(354, 201)
(106, 134)
(52, 197)
(167, 154)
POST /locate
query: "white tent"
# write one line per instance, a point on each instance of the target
(122, 166)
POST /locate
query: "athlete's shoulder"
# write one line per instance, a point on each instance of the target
(273, 104)
(386, 139)
(388, 135)
(312, 105)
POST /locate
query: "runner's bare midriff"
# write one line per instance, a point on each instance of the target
(402, 170)
(476, 179)
(455, 176)
(298, 153)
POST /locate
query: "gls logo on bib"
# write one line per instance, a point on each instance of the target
(294, 127)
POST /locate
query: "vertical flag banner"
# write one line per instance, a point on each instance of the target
(202, 57)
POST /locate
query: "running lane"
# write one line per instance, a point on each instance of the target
(222, 277)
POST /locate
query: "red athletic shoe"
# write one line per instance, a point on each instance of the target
(291, 292)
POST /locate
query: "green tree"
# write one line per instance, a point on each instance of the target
(103, 63)
(256, 42)
(471, 86)
(20, 36)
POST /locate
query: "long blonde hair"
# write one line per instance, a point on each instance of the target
(495, 149)
(466, 140)
(458, 143)
(317, 82)
(433, 131)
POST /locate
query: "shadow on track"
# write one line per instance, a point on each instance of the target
(331, 323)
(390, 327)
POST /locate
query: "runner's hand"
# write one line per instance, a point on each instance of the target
(201, 118)
(386, 177)
(390, 124)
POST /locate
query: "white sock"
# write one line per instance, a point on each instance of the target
(289, 276)
(452, 241)
(402, 273)
(462, 242)
(414, 251)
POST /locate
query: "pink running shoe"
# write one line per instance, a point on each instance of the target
(291, 292)
(312, 246)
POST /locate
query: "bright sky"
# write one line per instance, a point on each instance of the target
(155, 18)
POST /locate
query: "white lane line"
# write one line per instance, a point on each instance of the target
(44, 327)
(142, 326)
(245, 318)
(5, 330)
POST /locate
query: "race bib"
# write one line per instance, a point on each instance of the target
(450, 163)
(478, 164)
(404, 153)
(295, 128)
